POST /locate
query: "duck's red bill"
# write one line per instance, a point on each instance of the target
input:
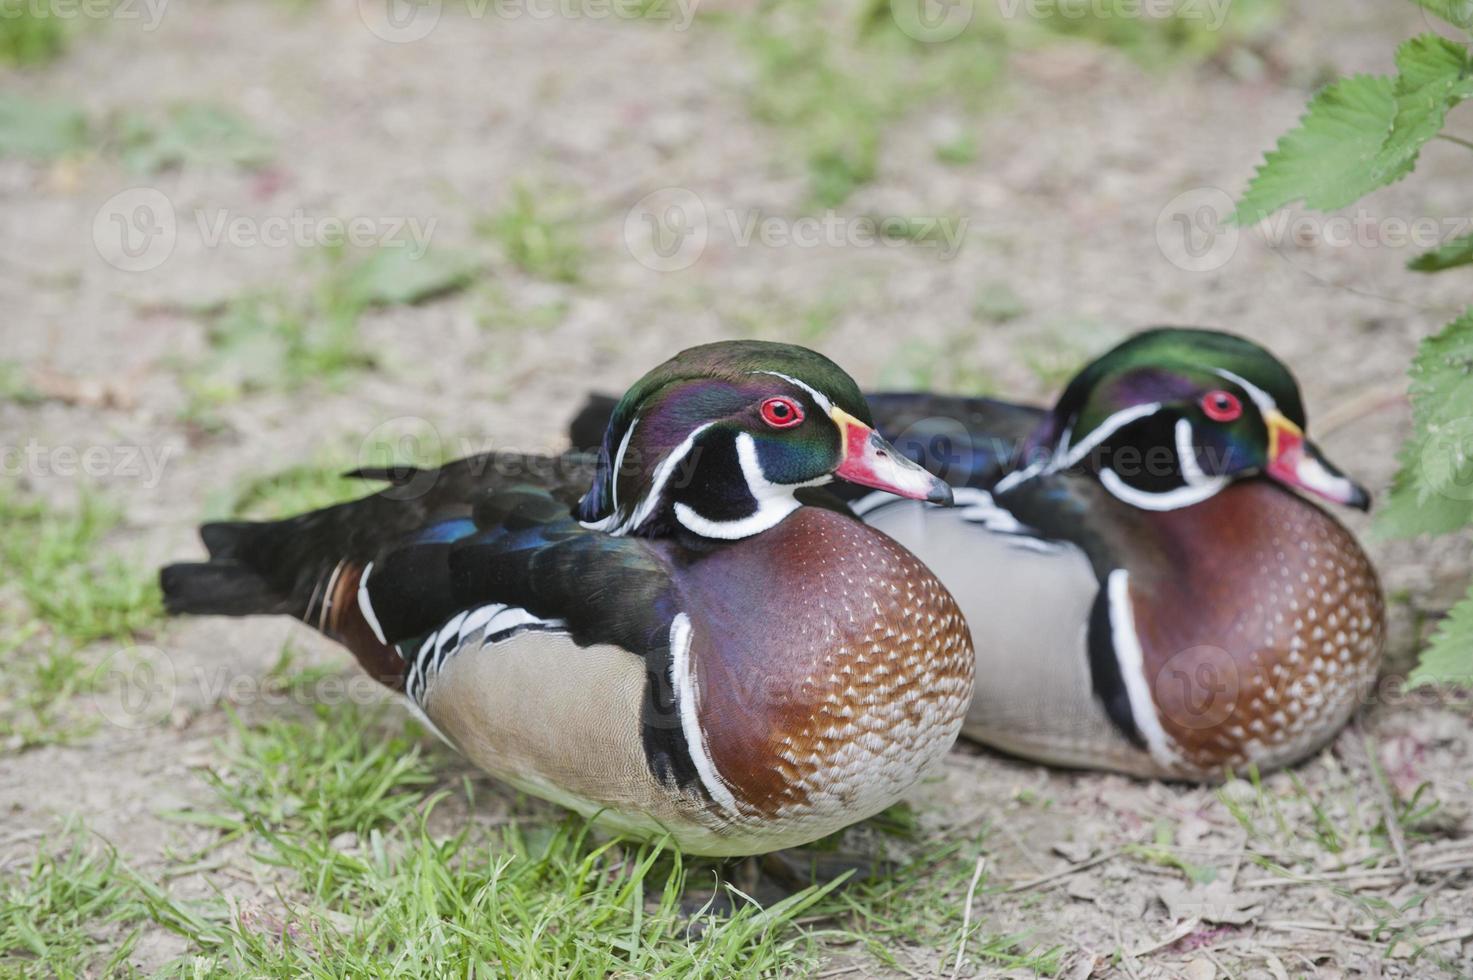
(870, 461)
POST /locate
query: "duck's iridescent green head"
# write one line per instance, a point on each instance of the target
(719, 438)
(1172, 415)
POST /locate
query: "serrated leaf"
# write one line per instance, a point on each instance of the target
(1433, 490)
(1449, 255)
(1435, 75)
(1362, 133)
(1448, 659)
(401, 275)
(1459, 13)
(1328, 160)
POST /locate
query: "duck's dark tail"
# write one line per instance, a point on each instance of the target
(235, 581)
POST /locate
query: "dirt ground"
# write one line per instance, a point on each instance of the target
(1078, 155)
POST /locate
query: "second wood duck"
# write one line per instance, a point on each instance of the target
(667, 638)
(1146, 591)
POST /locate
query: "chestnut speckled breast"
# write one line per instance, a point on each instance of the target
(1178, 664)
(832, 668)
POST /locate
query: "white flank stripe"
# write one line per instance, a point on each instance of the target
(478, 618)
(366, 608)
(1131, 659)
(683, 680)
(332, 581)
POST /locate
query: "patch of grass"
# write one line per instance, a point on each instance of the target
(833, 84)
(998, 303)
(40, 130)
(189, 135)
(14, 386)
(958, 151)
(51, 913)
(538, 234)
(342, 812)
(1188, 33)
(292, 491)
(31, 35)
(277, 341)
(55, 560)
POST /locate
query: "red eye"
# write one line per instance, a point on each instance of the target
(1222, 406)
(781, 413)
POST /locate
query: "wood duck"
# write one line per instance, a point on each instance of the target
(1146, 591)
(682, 646)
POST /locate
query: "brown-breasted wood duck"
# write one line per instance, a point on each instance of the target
(666, 636)
(1147, 590)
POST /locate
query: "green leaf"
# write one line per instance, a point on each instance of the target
(1459, 13)
(1362, 133)
(1435, 75)
(40, 130)
(1450, 255)
(1433, 491)
(399, 275)
(1329, 159)
(1448, 659)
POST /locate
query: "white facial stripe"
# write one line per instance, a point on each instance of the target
(366, 608)
(1171, 500)
(1186, 453)
(682, 678)
(1261, 398)
(775, 501)
(1103, 431)
(1130, 657)
(619, 465)
(613, 525)
(818, 396)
